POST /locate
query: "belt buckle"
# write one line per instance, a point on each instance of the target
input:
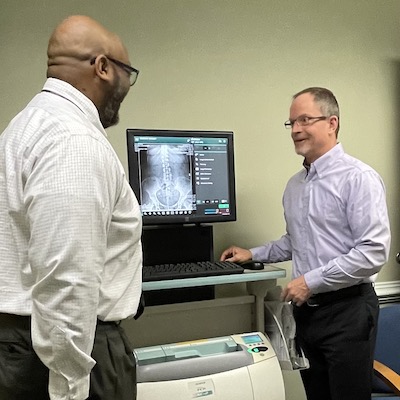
(310, 303)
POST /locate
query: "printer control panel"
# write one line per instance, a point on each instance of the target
(255, 343)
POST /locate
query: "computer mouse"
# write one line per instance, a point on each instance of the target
(253, 264)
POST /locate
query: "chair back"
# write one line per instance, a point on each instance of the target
(387, 349)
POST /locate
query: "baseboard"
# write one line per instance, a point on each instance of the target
(388, 292)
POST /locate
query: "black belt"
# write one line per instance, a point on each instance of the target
(99, 322)
(323, 299)
(15, 321)
(24, 321)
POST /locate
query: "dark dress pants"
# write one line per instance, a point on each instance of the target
(338, 339)
(24, 377)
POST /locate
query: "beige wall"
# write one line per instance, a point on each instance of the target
(233, 65)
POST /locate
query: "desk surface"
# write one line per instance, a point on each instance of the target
(269, 272)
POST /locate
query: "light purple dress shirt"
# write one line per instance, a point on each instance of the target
(337, 225)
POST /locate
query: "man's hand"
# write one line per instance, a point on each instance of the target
(296, 291)
(236, 254)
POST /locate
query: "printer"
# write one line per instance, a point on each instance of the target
(236, 367)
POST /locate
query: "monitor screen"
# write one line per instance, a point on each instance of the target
(182, 177)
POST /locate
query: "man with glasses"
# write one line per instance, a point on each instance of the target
(338, 238)
(70, 229)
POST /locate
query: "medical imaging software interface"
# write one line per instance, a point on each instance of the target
(183, 175)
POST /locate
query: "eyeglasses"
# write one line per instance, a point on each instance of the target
(133, 72)
(303, 120)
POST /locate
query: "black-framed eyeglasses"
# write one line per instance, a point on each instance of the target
(303, 120)
(133, 72)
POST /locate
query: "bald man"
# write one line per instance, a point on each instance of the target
(70, 229)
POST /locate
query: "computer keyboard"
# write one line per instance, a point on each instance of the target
(189, 270)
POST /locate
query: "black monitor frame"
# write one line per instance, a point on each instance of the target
(219, 209)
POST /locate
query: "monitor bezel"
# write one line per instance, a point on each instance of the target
(131, 133)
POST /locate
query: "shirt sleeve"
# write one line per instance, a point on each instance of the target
(275, 251)
(69, 195)
(368, 222)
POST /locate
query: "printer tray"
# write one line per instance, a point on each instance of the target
(280, 327)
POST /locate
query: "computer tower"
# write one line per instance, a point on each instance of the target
(175, 244)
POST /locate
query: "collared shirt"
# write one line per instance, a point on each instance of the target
(70, 229)
(337, 224)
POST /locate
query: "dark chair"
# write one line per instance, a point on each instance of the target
(386, 385)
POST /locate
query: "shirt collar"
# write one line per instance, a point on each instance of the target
(324, 163)
(70, 93)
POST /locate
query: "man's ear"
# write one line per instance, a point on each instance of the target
(102, 67)
(334, 122)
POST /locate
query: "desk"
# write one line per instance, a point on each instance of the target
(270, 272)
(239, 309)
(257, 282)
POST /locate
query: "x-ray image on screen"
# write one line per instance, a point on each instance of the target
(166, 181)
(182, 177)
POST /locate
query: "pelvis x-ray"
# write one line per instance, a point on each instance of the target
(166, 183)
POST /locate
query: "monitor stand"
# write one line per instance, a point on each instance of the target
(174, 244)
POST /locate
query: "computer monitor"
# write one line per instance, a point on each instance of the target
(182, 177)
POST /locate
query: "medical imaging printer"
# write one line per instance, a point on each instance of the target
(236, 367)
